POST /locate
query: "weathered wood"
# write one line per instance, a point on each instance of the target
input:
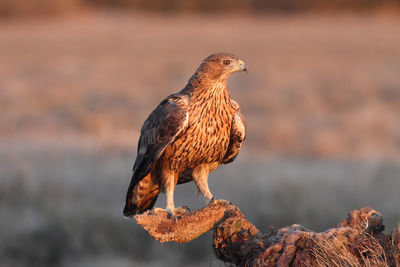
(357, 241)
(186, 227)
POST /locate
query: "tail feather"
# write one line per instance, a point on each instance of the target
(141, 197)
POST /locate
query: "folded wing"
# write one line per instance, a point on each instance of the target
(159, 130)
(238, 134)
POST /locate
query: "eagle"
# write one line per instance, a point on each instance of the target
(187, 136)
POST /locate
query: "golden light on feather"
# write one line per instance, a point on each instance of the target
(187, 136)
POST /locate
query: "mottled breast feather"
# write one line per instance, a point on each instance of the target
(161, 128)
(206, 138)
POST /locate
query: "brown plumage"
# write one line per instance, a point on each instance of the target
(188, 135)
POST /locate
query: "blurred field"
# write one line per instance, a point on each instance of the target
(318, 86)
(322, 102)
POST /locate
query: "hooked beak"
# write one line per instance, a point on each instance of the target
(242, 66)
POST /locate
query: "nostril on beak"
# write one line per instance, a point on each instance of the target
(243, 66)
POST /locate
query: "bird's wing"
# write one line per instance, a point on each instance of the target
(160, 129)
(238, 134)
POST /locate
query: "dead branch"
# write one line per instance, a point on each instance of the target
(357, 241)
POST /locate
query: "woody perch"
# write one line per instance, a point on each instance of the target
(188, 135)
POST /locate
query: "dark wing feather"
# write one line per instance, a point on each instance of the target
(159, 130)
(238, 134)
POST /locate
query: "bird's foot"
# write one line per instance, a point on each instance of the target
(186, 208)
(214, 201)
(181, 210)
(209, 201)
(176, 213)
(156, 210)
(173, 217)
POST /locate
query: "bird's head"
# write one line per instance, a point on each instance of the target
(220, 65)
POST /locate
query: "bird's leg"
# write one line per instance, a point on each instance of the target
(200, 177)
(169, 187)
(170, 181)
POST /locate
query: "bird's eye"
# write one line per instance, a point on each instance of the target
(227, 62)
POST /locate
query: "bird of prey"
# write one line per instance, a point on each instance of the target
(187, 136)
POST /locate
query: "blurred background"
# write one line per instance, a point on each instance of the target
(79, 77)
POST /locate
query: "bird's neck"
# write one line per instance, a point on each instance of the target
(200, 86)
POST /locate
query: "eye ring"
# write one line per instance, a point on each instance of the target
(226, 62)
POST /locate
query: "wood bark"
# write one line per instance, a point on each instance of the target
(357, 241)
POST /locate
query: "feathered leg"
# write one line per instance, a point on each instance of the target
(169, 191)
(200, 177)
(169, 180)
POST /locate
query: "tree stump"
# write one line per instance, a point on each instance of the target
(357, 241)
